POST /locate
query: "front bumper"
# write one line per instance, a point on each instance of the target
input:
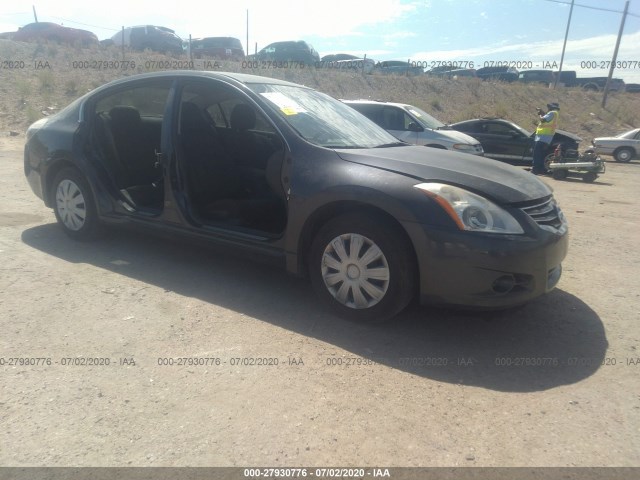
(486, 271)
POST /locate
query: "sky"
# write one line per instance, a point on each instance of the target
(528, 34)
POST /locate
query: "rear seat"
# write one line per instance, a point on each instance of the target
(130, 156)
(136, 145)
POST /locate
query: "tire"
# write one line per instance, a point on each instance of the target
(589, 177)
(548, 160)
(559, 174)
(338, 277)
(623, 155)
(73, 205)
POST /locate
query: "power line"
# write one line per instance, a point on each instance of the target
(86, 24)
(592, 8)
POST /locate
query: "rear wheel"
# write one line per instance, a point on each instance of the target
(73, 204)
(623, 155)
(589, 177)
(362, 268)
(548, 160)
(559, 174)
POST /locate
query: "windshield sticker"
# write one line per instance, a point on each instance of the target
(415, 113)
(287, 105)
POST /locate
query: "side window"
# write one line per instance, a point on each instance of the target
(466, 127)
(217, 115)
(148, 99)
(221, 115)
(396, 119)
(372, 112)
(498, 129)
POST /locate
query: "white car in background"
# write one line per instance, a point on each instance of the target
(413, 125)
(623, 147)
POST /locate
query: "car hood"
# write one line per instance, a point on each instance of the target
(570, 135)
(455, 135)
(500, 182)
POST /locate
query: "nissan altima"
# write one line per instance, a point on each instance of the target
(268, 168)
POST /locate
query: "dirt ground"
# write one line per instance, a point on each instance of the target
(434, 388)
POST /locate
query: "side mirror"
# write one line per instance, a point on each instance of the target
(414, 127)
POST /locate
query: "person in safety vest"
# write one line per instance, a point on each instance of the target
(544, 134)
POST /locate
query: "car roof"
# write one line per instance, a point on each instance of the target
(239, 77)
(289, 42)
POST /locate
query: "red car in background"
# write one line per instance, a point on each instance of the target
(54, 33)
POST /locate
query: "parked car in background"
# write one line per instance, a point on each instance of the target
(289, 51)
(345, 61)
(52, 32)
(223, 48)
(623, 147)
(152, 37)
(274, 170)
(397, 67)
(568, 78)
(502, 73)
(452, 73)
(507, 141)
(546, 77)
(462, 73)
(597, 84)
(413, 125)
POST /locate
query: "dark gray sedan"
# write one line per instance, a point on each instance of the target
(509, 142)
(281, 172)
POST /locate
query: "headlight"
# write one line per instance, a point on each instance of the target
(464, 147)
(470, 211)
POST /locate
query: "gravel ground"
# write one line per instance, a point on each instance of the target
(434, 388)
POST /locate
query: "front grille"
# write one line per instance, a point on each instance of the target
(546, 214)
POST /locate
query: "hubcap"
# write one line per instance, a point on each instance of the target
(70, 205)
(355, 271)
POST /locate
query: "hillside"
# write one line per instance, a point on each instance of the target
(39, 79)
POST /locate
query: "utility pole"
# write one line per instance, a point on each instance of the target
(615, 55)
(35, 15)
(564, 45)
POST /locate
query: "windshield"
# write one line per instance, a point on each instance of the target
(426, 120)
(323, 120)
(630, 134)
(526, 133)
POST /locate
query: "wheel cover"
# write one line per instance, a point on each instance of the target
(355, 271)
(623, 155)
(70, 205)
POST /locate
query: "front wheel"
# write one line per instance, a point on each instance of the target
(623, 155)
(361, 266)
(73, 204)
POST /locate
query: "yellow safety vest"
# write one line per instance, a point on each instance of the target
(548, 128)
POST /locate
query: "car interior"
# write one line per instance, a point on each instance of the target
(232, 158)
(229, 155)
(127, 130)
